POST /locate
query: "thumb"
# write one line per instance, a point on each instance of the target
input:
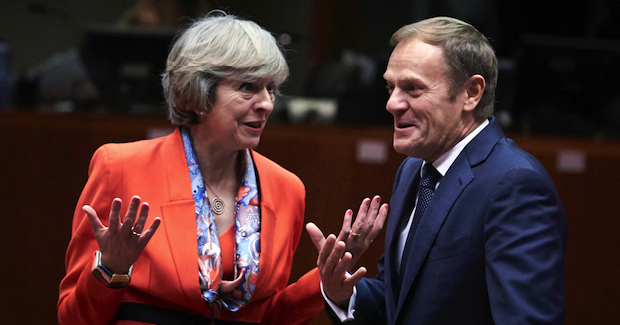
(93, 219)
(316, 235)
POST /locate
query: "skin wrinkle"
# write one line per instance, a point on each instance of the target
(420, 99)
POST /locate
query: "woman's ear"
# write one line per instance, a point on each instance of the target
(474, 88)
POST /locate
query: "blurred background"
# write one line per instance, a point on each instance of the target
(75, 74)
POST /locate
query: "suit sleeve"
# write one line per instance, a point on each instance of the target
(83, 299)
(525, 249)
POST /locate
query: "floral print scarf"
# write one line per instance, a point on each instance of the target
(247, 236)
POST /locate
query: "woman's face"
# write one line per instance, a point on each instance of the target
(239, 113)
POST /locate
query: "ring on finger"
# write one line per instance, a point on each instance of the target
(136, 233)
(353, 233)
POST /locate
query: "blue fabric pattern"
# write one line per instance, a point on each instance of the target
(247, 234)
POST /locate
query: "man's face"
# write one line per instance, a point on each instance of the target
(427, 122)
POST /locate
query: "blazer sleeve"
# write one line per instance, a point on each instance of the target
(83, 299)
(284, 194)
(299, 303)
(370, 304)
(525, 249)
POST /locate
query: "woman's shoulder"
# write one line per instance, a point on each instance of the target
(147, 150)
(140, 147)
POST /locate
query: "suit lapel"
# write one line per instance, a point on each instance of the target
(408, 179)
(400, 207)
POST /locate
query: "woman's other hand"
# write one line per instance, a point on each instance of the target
(368, 223)
(121, 243)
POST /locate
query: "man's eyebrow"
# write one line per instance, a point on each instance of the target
(406, 79)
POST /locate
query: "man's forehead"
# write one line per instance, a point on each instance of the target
(413, 57)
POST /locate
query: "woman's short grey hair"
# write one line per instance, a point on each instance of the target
(216, 47)
(466, 53)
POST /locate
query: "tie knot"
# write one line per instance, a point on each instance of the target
(430, 176)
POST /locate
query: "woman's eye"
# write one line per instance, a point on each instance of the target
(271, 88)
(246, 87)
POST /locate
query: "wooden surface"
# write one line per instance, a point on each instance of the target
(44, 162)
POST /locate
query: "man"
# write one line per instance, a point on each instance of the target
(482, 238)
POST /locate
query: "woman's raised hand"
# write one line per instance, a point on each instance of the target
(121, 243)
(368, 223)
(339, 254)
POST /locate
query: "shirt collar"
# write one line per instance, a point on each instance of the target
(443, 163)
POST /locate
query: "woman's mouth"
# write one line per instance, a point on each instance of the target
(254, 125)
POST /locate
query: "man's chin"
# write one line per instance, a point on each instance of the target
(401, 147)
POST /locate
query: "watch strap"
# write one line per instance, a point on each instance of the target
(108, 278)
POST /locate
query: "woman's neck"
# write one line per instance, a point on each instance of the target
(218, 166)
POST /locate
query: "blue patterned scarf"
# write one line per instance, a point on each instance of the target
(247, 235)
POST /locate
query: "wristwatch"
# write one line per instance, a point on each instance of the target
(108, 278)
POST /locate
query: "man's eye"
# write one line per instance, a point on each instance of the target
(389, 88)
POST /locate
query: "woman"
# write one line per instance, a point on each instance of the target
(223, 221)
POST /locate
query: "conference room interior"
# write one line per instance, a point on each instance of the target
(75, 74)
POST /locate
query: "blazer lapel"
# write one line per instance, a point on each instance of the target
(179, 220)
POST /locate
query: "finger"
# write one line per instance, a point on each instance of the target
(360, 219)
(372, 212)
(353, 279)
(379, 222)
(326, 250)
(115, 211)
(146, 235)
(93, 219)
(334, 258)
(343, 265)
(316, 235)
(130, 216)
(346, 226)
(144, 213)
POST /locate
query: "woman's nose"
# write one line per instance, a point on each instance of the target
(266, 99)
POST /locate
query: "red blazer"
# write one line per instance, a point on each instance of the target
(166, 274)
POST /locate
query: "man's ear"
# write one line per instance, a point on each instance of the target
(474, 87)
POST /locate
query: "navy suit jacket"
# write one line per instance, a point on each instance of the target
(490, 248)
